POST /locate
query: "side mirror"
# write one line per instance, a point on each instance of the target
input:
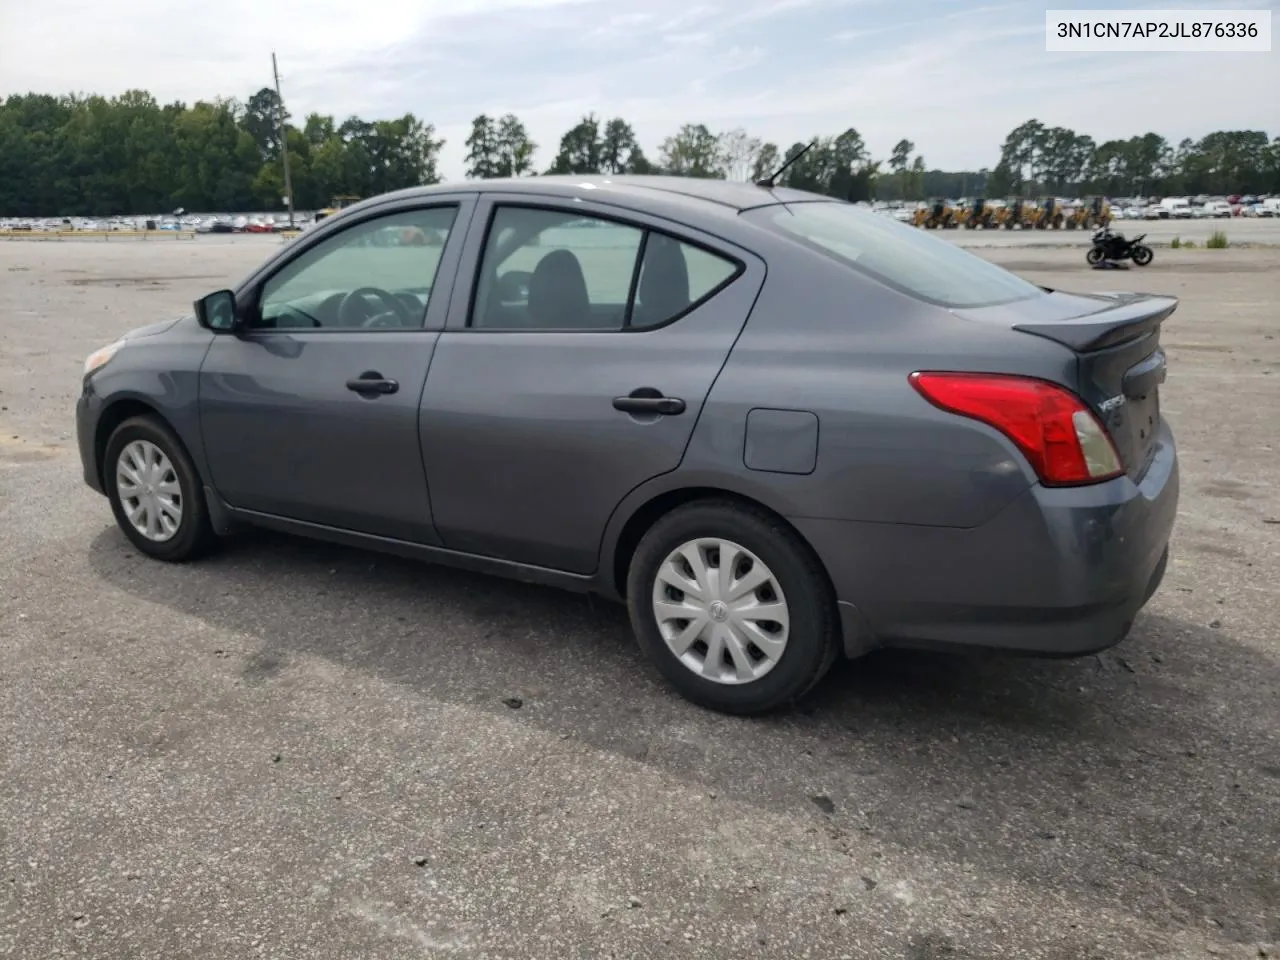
(217, 312)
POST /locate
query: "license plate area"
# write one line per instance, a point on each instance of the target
(1141, 423)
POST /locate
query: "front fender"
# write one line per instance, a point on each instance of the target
(159, 372)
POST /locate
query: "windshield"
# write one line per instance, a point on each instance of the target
(904, 257)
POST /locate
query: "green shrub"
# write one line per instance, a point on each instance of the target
(1175, 243)
(1217, 240)
(1189, 244)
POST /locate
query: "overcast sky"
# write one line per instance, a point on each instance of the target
(953, 77)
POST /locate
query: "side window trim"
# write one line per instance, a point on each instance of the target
(249, 293)
(491, 205)
(635, 281)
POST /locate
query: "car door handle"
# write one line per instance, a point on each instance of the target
(667, 406)
(372, 383)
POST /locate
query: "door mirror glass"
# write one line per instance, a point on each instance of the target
(217, 311)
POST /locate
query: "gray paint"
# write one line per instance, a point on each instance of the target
(781, 441)
(538, 487)
(502, 452)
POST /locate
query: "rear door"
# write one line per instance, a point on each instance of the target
(580, 347)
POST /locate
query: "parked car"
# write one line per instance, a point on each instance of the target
(782, 428)
(1212, 209)
(1177, 208)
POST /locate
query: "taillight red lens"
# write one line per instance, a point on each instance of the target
(1061, 438)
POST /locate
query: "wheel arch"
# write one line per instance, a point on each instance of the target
(644, 515)
(116, 413)
(646, 506)
(126, 408)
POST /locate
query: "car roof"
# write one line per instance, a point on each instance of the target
(703, 194)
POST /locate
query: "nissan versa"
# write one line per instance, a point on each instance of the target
(782, 428)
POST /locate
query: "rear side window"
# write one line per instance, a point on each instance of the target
(673, 277)
(545, 269)
(904, 257)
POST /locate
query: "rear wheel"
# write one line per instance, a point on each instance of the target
(155, 492)
(732, 607)
(1142, 254)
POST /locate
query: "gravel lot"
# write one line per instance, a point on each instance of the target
(294, 750)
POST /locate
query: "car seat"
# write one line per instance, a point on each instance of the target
(663, 291)
(558, 293)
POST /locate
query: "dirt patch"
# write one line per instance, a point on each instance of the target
(1204, 347)
(1227, 490)
(16, 449)
(136, 281)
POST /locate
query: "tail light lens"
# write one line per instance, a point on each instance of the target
(1061, 438)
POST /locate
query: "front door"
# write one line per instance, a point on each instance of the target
(576, 373)
(311, 413)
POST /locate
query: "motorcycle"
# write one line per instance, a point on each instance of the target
(1113, 246)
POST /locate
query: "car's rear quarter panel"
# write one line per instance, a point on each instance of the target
(827, 341)
(931, 524)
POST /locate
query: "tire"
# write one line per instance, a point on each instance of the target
(809, 640)
(1142, 254)
(138, 439)
(1094, 256)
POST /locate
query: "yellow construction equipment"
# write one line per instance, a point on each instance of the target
(1049, 215)
(1009, 216)
(981, 214)
(939, 216)
(336, 204)
(1099, 213)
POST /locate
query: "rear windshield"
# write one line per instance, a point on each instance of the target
(905, 257)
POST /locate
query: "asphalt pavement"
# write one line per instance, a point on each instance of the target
(293, 750)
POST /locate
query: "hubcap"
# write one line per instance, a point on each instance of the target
(149, 490)
(721, 611)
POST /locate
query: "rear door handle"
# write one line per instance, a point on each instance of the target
(667, 406)
(372, 382)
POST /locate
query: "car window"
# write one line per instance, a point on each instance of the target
(673, 276)
(555, 270)
(375, 275)
(902, 256)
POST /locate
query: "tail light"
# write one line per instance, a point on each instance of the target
(1064, 442)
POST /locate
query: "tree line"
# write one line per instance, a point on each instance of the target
(95, 156)
(98, 156)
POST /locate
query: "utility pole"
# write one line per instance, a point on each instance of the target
(284, 139)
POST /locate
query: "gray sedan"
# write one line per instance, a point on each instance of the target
(781, 428)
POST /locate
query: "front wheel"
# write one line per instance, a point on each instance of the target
(155, 492)
(1142, 254)
(732, 607)
(1094, 256)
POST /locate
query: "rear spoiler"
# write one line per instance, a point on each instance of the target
(1132, 315)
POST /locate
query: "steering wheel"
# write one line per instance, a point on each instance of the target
(355, 300)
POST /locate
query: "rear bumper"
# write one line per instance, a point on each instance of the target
(1059, 572)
